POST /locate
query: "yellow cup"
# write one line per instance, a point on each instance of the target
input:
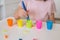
(20, 23)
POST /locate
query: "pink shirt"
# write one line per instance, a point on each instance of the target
(39, 10)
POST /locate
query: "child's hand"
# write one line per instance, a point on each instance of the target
(20, 13)
(23, 13)
(16, 15)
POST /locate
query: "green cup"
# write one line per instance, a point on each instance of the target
(29, 24)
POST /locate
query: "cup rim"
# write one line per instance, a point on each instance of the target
(49, 21)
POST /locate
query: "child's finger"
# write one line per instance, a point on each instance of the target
(16, 16)
(27, 12)
(25, 15)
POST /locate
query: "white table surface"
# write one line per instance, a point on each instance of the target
(15, 33)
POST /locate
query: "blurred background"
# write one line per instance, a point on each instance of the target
(7, 8)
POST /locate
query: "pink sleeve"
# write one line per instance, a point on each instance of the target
(53, 7)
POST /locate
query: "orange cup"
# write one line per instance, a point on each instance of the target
(10, 22)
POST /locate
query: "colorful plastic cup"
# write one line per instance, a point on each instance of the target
(20, 23)
(39, 24)
(49, 24)
(29, 24)
(10, 22)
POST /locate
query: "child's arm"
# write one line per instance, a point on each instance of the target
(53, 11)
(52, 17)
(16, 14)
(20, 12)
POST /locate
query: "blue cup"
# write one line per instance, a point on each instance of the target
(49, 24)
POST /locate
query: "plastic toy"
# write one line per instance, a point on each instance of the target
(49, 24)
(10, 22)
(39, 24)
(29, 24)
(20, 23)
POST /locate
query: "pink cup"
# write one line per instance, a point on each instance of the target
(39, 24)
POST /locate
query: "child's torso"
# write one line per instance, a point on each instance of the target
(38, 10)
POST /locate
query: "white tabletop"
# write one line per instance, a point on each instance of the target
(24, 33)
